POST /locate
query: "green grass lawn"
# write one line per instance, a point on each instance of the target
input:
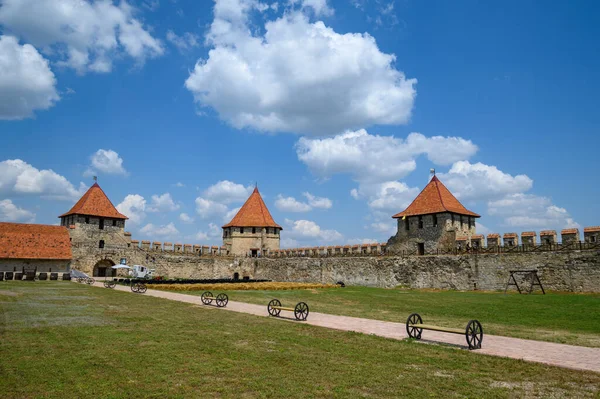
(67, 340)
(556, 317)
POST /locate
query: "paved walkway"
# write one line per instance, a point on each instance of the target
(574, 357)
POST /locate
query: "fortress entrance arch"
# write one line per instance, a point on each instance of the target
(103, 269)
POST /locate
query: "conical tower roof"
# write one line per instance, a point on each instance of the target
(253, 213)
(95, 203)
(435, 198)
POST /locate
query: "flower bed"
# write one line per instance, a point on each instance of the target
(243, 286)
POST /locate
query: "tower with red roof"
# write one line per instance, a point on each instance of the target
(252, 231)
(433, 221)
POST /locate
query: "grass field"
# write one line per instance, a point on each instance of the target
(555, 317)
(67, 340)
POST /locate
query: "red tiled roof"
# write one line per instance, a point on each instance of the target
(528, 234)
(591, 229)
(493, 235)
(510, 235)
(569, 231)
(253, 213)
(435, 198)
(477, 237)
(461, 238)
(34, 241)
(95, 203)
(548, 233)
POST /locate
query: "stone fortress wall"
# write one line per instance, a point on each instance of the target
(568, 266)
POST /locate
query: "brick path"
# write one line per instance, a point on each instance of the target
(574, 357)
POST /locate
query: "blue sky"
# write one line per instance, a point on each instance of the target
(338, 109)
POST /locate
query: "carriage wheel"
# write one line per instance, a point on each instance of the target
(112, 284)
(134, 287)
(79, 279)
(90, 281)
(106, 284)
(474, 334)
(301, 311)
(142, 288)
(205, 297)
(274, 312)
(222, 300)
(414, 332)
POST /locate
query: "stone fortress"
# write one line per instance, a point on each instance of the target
(91, 238)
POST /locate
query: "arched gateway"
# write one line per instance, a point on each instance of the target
(103, 269)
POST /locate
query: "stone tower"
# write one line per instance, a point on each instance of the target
(252, 230)
(95, 225)
(434, 220)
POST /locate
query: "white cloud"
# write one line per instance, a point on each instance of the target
(134, 207)
(106, 161)
(230, 214)
(163, 203)
(9, 212)
(179, 184)
(387, 228)
(185, 42)
(289, 243)
(389, 197)
(17, 177)
(201, 236)
(168, 230)
(479, 181)
(214, 230)
(306, 230)
(82, 35)
(207, 208)
(26, 82)
(300, 76)
(353, 241)
(319, 7)
(482, 229)
(185, 218)
(373, 158)
(318, 202)
(531, 211)
(290, 204)
(226, 192)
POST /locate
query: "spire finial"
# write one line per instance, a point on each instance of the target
(95, 178)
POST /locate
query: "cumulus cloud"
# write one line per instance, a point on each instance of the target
(168, 230)
(230, 214)
(213, 233)
(134, 207)
(531, 211)
(374, 158)
(163, 203)
(81, 34)
(106, 161)
(9, 212)
(185, 218)
(227, 192)
(290, 204)
(289, 243)
(299, 76)
(318, 202)
(207, 208)
(185, 42)
(17, 177)
(307, 230)
(389, 197)
(387, 228)
(26, 82)
(353, 241)
(480, 181)
(319, 7)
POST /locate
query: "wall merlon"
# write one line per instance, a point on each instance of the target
(157, 246)
(168, 246)
(569, 236)
(178, 247)
(146, 245)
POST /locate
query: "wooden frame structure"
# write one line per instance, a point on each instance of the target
(533, 277)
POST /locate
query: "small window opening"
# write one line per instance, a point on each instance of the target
(87, 220)
(461, 222)
(406, 225)
(241, 230)
(420, 222)
(592, 238)
(434, 220)
(254, 230)
(236, 276)
(101, 224)
(452, 218)
(101, 244)
(114, 223)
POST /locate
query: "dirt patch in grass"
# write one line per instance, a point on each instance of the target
(9, 293)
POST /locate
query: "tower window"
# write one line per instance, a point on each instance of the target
(461, 222)
(254, 230)
(241, 230)
(406, 225)
(434, 220)
(101, 224)
(114, 223)
(420, 222)
(452, 218)
(101, 244)
(87, 220)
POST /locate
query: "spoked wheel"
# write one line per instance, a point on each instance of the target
(142, 288)
(112, 284)
(90, 281)
(134, 287)
(474, 334)
(80, 279)
(222, 300)
(274, 312)
(414, 332)
(106, 284)
(301, 311)
(205, 297)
